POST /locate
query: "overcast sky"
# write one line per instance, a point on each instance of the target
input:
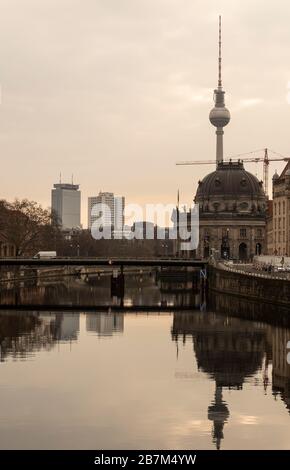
(117, 91)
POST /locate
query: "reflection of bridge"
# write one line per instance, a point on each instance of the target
(99, 308)
(118, 262)
(118, 289)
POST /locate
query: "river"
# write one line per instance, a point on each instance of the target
(205, 376)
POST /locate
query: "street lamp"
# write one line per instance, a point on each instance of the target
(228, 243)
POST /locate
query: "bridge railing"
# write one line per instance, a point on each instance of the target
(258, 275)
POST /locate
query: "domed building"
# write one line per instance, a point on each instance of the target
(232, 201)
(232, 213)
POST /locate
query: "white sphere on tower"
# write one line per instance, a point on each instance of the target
(219, 117)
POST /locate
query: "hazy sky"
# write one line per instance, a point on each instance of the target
(117, 91)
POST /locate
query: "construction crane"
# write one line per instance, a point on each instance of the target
(265, 159)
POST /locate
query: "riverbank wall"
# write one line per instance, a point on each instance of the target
(252, 286)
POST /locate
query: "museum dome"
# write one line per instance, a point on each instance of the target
(230, 180)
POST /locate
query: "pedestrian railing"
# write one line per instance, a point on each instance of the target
(258, 275)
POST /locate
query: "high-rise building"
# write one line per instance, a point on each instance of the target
(119, 207)
(66, 204)
(92, 201)
(107, 199)
(114, 216)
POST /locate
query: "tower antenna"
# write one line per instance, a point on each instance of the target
(220, 52)
(219, 115)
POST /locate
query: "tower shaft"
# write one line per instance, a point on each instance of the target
(219, 115)
(219, 145)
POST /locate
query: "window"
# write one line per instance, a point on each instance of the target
(259, 232)
(206, 236)
(243, 232)
(243, 206)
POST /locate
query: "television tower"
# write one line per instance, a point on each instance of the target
(219, 115)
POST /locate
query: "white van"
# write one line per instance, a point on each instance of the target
(45, 254)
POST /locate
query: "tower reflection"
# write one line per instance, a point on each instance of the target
(278, 335)
(218, 412)
(228, 350)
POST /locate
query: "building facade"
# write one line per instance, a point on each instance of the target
(114, 217)
(269, 229)
(281, 214)
(232, 213)
(66, 204)
(119, 211)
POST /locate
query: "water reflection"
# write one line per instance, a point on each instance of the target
(105, 324)
(281, 368)
(251, 310)
(153, 288)
(277, 336)
(218, 412)
(224, 353)
(231, 351)
(228, 350)
(22, 333)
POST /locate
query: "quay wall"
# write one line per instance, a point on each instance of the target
(251, 286)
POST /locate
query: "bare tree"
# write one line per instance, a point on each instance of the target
(27, 225)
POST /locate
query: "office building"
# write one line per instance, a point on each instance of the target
(114, 216)
(66, 204)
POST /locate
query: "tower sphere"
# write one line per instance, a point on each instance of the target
(219, 117)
